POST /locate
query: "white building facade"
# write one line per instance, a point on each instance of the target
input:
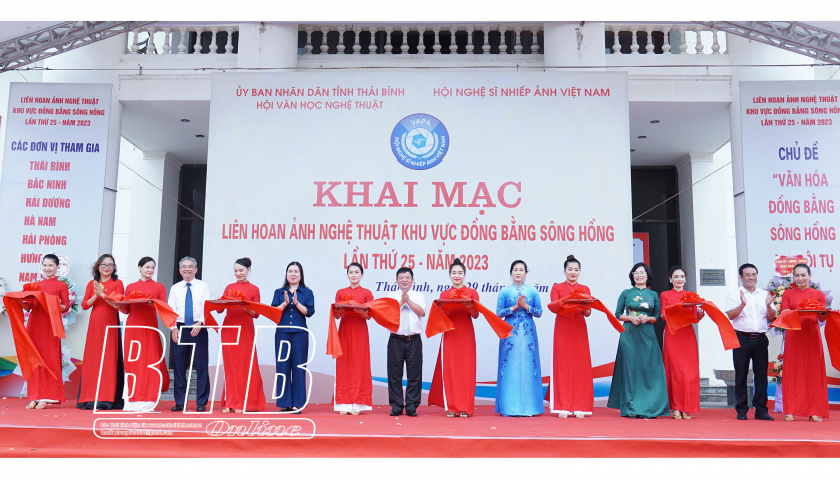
(683, 88)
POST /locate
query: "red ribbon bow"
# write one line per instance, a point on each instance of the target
(439, 321)
(568, 309)
(691, 297)
(32, 287)
(384, 311)
(810, 304)
(137, 295)
(458, 294)
(167, 315)
(235, 295)
(790, 320)
(679, 316)
(269, 312)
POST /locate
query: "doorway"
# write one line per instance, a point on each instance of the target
(650, 187)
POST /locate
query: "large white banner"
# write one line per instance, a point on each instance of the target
(396, 169)
(790, 133)
(53, 178)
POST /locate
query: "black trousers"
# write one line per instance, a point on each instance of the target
(754, 349)
(181, 355)
(408, 352)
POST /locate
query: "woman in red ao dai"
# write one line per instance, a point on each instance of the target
(571, 380)
(353, 382)
(102, 346)
(804, 381)
(142, 346)
(242, 368)
(42, 388)
(453, 383)
(682, 364)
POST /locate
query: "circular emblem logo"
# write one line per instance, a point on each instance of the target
(419, 141)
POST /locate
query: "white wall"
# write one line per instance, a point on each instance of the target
(129, 155)
(153, 214)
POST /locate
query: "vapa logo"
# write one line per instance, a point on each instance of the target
(419, 141)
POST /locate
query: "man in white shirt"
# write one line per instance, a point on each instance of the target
(187, 299)
(751, 310)
(406, 348)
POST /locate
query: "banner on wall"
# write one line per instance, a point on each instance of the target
(51, 191)
(790, 135)
(396, 169)
(53, 178)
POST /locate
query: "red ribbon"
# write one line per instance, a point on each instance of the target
(167, 315)
(272, 313)
(385, 311)
(691, 297)
(811, 304)
(29, 358)
(789, 320)
(439, 322)
(568, 310)
(680, 315)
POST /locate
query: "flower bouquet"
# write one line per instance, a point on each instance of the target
(776, 369)
(3, 287)
(69, 317)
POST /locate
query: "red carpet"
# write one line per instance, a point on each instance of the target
(65, 431)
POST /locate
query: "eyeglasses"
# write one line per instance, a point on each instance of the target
(187, 268)
(106, 265)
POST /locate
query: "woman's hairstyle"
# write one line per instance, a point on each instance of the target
(50, 256)
(515, 262)
(806, 267)
(570, 259)
(674, 269)
(647, 270)
(286, 277)
(356, 264)
(145, 260)
(95, 268)
(457, 263)
(244, 261)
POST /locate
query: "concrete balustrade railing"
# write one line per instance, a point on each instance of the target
(682, 38)
(432, 39)
(184, 39)
(428, 39)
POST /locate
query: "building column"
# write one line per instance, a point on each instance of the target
(705, 244)
(267, 45)
(573, 43)
(154, 214)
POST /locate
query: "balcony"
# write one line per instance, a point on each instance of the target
(664, 61)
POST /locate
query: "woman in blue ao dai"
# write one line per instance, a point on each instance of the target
(519, 382)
